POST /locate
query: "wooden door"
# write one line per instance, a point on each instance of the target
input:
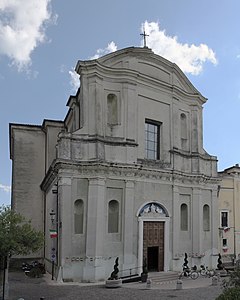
(153, 245)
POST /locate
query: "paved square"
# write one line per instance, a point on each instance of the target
(33, 288)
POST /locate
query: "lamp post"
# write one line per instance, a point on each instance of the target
(52, 216)
(4, 267)
(53, 234)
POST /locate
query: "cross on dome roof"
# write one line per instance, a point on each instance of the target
(144, 38)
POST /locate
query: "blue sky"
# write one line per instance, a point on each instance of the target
(41, 41)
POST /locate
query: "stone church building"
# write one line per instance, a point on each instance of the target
(123, 175)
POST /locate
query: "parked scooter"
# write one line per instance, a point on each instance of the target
(33, 269)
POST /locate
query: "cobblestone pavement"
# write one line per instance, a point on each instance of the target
(33, 289)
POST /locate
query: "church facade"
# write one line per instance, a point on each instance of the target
(124, 175)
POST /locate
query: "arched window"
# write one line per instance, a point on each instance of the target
(113, 216)
(78, 216)
(206, 218)
(184, 217)
(183, 131)
(112, 109)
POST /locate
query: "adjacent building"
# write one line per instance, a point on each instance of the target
(229, 212)
(123, 175)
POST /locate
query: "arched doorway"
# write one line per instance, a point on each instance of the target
(153, 237)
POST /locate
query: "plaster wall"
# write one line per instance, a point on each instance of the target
(28, 170)
(226, 203)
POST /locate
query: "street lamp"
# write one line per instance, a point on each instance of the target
(53, 234)
(52, 215)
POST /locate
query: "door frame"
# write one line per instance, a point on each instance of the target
(164, 219)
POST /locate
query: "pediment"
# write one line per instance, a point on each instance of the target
(146, 63)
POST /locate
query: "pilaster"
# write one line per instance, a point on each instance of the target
(65, 219)
(175, 221)
(128, 225)
(215, 221)
(195, 219)
(94, 269)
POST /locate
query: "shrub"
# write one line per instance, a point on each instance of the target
(233, 281)
(230, 294)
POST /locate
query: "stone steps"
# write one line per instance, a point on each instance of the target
(163, 277)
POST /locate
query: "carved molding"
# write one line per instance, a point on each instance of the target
(135, 172)
(152, 210)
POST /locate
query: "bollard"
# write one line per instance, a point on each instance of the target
(214, 280)
(149, 284)
(179, 284)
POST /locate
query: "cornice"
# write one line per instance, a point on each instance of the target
(193, 154)
(98, 138)
(135, 172)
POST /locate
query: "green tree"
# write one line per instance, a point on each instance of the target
(17, 236)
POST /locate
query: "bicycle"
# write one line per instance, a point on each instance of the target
(205, 272)
(192, 273)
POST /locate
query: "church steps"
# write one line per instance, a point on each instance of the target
(163, 277)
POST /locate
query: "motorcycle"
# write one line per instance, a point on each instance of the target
(33, 269)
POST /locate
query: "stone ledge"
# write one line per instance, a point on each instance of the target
(115, 283)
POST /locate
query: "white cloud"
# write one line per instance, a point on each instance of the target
(189, 58)
(22, 28)
(5, 188)
(74, 82)
(63, 68)
(111, 47)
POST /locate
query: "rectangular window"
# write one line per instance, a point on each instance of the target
(224, 219)
(206, 218)
(224, 242)
(152, 139)
(184, 217)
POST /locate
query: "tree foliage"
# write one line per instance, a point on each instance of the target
(232, 293)
(233, 281)
(17, 236)
(231, 286)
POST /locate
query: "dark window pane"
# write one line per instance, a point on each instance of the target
(113, 216)
(184, 217)
(224, 219)
(152, 140)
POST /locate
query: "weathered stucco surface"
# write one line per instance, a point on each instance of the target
(97, 157)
